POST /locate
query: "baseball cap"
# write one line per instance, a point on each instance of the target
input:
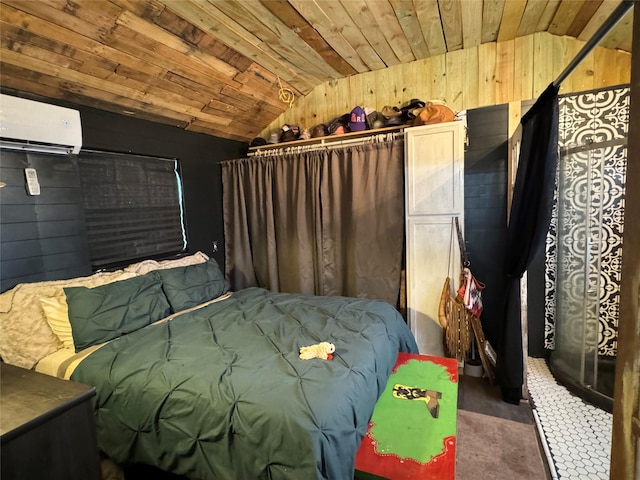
(358, 120)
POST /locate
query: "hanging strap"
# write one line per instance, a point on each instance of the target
(450, 252)
(464, 260)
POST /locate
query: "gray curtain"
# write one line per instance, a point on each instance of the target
(326, 222)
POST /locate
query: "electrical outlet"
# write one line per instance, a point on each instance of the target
(214, 246)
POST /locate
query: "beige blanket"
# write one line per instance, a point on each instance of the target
(25, 335)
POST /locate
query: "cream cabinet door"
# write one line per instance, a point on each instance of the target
(434, 156)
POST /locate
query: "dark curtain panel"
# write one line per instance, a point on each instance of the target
(327, 222)
(362, 194)
(528, 224)
(271, 219)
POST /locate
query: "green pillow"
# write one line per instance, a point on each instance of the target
(186, 287)
(106, 312)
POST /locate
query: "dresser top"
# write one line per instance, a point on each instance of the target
(28, 398)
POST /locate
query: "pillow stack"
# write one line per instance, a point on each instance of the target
(82, 317)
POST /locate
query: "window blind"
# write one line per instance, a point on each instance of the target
(133, 207)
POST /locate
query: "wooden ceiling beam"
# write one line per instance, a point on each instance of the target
(30, 23)
(379, 20)
(111, 87)
(491, 16)
(235, 97)
(210, 19)
(533, 12)
(429, 17)
(598, 18)
(563, 18)
(361, 19)
(471, 24)
(340, 20)
(332, 34)
(231, 132)
(157, 34)
(80, 20)
(547, 15)
(296, 22)
(407, 16)
(511, 18)
(588, 10)
(149, 9)
(53, 87)
(275, 36)
(451, 18)
(12, 34)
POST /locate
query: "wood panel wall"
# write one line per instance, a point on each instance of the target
(41, 237)
(489, 74)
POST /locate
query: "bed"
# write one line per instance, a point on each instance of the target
(207, 383)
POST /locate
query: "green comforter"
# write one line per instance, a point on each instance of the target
(220, 392)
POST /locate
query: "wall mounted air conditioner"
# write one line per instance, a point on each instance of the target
(38, 127)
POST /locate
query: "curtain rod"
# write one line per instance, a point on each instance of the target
(329, 144)
(605, 28)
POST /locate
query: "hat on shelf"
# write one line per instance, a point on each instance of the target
(408, 109)
(357, 120)
(258, 142)
(393, 115)
(374, 118)
(433, 113)
(289, 133)
(305, 134)
(319, 130)
(339, 125)
(413, 104)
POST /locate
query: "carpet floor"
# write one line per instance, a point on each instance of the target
(491, 448)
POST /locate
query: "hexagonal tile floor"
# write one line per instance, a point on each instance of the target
(577, 434)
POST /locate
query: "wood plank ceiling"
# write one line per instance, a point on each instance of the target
(221, 67)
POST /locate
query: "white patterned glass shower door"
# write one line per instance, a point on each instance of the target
(588, 235)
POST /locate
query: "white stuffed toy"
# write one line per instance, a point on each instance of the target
(321, 350)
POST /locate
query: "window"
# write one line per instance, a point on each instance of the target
(133, 207)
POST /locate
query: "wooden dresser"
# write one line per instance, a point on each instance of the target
(47, 427)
